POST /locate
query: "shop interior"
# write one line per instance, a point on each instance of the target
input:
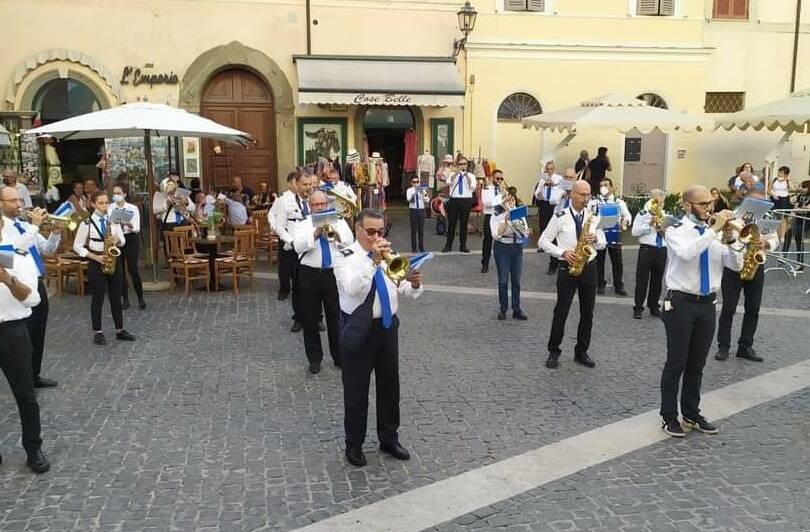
(385, 129)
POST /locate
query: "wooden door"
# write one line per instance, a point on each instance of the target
(240, 99)
(645, 160)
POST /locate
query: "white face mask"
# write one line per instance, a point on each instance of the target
(118, 198)
(604, 191)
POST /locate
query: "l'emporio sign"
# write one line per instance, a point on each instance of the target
(134, 76)
(391, 98)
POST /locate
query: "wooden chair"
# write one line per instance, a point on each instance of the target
(61, 270)
(240, 262)
(183, 266)
(266, 240)
(188, 240)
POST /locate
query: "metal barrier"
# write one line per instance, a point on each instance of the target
(795, 225)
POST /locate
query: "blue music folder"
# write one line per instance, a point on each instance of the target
(417, 261)
(519, 212)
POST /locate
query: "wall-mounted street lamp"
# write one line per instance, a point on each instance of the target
(466, 23)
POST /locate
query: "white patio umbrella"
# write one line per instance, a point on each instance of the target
(147, 120)
(5, 136)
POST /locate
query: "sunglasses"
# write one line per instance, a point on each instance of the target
(370, 231)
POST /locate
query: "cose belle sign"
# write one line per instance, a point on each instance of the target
(377, 99)
(133, 75)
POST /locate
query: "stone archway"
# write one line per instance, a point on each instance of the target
(237, 55)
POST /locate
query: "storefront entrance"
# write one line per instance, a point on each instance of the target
(57, 100)
(385, 129)
(239, 98)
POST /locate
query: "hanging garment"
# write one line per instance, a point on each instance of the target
(409, 161)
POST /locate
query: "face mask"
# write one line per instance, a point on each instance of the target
(118, 198)
(604, 191)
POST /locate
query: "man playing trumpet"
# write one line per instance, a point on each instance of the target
(652, 254)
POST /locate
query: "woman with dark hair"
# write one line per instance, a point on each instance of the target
(508, 250)
(720, 203)
(128, 260)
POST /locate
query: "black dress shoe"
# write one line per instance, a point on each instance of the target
(296, 327)
(620, 291)
(125, 304)
(282, 295)
(600, 290)
(722, 354)
(748, 353)
(519, 315)
(355, 456)
(41, 382)
(38, 462)
(585, 360)
(484, 268)
(141, 304)
(314, 368)
(99, 339)
(123, 335)
(321, 326)
(501, 315)
(445, 249)
(656, 311)
(464, 250)
(636, 314)
(553, 361)
(397, 451)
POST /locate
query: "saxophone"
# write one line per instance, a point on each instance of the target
(754, 257)
(583, 251)
(111, 252)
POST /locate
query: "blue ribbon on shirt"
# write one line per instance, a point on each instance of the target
(378, 283)
(326, 253)
(548, 192)
(704, 266)
(461, 178)
(32, 250)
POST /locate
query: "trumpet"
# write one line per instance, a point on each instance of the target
(330, 233)
(71, 222)
(397, 266)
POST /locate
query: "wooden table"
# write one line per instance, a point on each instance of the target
(211, 246)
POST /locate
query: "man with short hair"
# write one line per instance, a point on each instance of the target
(491, 197)
(244, 194)
(544, 191)
(462, 186)
(614, 239)
(11, 179)
(277, 218)
(598, 168)
(652, 256)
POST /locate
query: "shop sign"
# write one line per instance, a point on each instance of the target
(134, 76)
(382, 99)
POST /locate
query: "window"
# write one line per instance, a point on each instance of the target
(656, 7)
(724, 102)
(518, 105)
(653, 100)
(730, 9)
(524, 5)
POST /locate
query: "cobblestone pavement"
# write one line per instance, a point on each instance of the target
(210, 420)
(753, 476)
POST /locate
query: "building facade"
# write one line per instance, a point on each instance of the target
(381, 75)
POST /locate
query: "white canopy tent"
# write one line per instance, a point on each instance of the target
(146, 120)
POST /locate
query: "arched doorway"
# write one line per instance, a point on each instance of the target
(385, 128)
(59, 99)
(239, 98)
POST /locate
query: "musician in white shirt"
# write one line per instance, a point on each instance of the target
(565, 227)
(461, 189)
(128, 261)
(417, 202)
(277, 218)
(89, 244)
(18, 294)
(695, 261)
(509, 244)
(369, 336)
(544, 192)
(339, 186)
(560, 201)
(317, 253)
(652, 257)
(491, 198)
(614, 239)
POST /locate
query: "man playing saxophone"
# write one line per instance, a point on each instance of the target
(750, 280)
(575, 230)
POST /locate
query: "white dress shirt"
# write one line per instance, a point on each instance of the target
(30, 237)
(415, 198)
(271, 214)
(136, 216)
(164, 213)
(508, 235)
(560, 199)
(90, 236)
(237, 212)
(309, 249)
(468, 185)
(289, 212)
(563, 228)
(491, 198)
(645, 232)
(685, 245)
(25, 272)
(354, 272)
(546, 186)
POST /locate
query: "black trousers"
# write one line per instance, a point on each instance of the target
(797, 233)
(649, 270)
(380, 354)
(615, 253)
(37, 324)
(417, 229)
(128, 263)
(287, 270)
(567, 285)
(100, 286)
(690, 329)
(15, 361)
(458, 213)
(731, 287)
(486, 247)
(319, 290)
(545, 211)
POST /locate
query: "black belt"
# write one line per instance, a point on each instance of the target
(694, 298)
(652, 247)
(316, 270)
(12, 323)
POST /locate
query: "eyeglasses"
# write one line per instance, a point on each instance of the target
(498, 179)
(370, 231)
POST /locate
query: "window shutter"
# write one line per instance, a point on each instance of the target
(730, 9)
(722, 9)
(667, 8)
(647, 7)
(739, 9)
(536, 5)
(514, 5)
